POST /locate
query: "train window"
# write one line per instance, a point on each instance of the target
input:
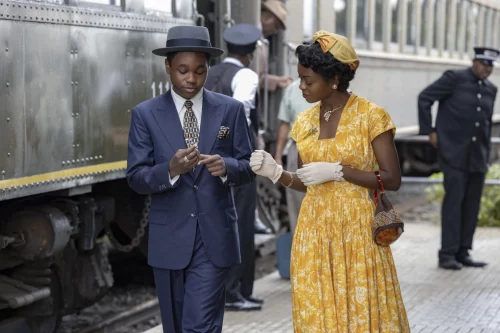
(158, 5)
(340, 7)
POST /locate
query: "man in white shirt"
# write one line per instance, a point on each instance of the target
(188, 148)
(233, 78)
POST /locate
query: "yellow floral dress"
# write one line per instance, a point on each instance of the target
(342, 282)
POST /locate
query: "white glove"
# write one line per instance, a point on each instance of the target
(263, 164)
(320, 172)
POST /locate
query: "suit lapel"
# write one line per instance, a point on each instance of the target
(211, 119)
(168, 120)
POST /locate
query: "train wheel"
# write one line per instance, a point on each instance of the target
(50, 323)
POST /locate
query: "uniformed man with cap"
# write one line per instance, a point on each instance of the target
(462, 137)
(233, 78)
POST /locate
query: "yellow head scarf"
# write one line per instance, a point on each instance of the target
(338, 46)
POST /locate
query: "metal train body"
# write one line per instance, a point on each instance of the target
(70, 72)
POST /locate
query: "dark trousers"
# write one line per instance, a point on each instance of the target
(459, 212)
(241, 277)
(192, 299)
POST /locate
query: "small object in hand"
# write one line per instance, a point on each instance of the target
(387, 225)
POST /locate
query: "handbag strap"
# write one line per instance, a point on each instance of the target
(380, 186)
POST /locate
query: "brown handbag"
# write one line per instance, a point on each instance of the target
(387, 225)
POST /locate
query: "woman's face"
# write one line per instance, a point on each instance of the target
(313, 85)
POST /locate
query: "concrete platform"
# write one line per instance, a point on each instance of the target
(436, 300)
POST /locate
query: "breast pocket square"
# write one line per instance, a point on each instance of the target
(223, 133)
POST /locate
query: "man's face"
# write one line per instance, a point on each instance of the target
(481, 70)
(270, 24)
(188, 73)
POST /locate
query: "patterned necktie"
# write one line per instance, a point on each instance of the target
(191, 131)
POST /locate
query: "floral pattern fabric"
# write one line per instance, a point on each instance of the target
(342, 282)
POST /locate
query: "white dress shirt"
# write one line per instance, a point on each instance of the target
(244, 86)
(197, 107)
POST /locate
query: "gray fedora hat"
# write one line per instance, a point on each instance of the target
(188, 39)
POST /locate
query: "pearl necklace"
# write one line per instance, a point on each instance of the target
(328, 113)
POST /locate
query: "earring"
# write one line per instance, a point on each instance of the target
(334, 86)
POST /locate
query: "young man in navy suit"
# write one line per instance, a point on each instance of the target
(188, 148)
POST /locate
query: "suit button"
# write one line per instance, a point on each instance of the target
(477, 124)
(480, 82)
(193, 215)
(474, 139)
(195, 187)
(478, 108)
(478, 95)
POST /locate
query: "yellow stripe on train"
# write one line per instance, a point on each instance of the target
(59, 175)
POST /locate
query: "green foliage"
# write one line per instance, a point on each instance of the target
(489, 212)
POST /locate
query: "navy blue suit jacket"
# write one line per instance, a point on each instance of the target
(197, 197)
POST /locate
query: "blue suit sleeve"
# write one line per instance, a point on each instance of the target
(143, 175)
(238, 166)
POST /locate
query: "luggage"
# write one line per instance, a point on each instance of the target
(283, 252)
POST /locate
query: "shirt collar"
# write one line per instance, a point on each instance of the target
(234, 61)
(179, 100)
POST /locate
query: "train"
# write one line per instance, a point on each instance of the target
(72, 70)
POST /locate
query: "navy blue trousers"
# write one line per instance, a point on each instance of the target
(192, 299)
(459, 212)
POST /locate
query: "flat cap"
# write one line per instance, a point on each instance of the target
(278, 8)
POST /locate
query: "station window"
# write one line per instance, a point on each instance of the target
(362, 21)
(472, 16)
(379, 24)
(340, 7)
(435, 24)
(423, 22)
(411, 25)
(395, 29)
(158, 5)
(458, 35)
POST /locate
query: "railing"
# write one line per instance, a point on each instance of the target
(425, 138)
(426, 180)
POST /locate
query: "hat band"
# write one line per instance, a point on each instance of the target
(484, 57)
(188, 42)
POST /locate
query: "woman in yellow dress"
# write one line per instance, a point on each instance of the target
(342, 282)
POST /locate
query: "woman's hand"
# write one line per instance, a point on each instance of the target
(320, 172)
(263, 164)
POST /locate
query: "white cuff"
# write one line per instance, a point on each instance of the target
(223, 178)
(174, 180)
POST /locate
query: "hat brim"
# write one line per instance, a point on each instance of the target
(213, 52)
(486, 62)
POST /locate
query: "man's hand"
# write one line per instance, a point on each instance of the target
(433, 139)
(184, 161)
(285, 81)
(215, 164)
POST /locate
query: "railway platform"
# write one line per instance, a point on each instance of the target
(437, 301)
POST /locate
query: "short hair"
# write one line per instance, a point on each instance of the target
(171, 56)
(312, 56)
